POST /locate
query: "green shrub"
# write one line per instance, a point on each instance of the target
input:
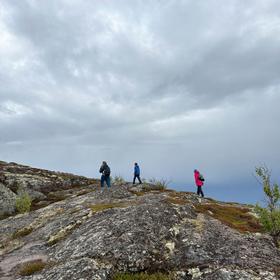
(141, 276)
(270, 214)
(23, 202)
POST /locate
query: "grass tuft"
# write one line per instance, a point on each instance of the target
(234, 217)
(118, 180)
(161, 184)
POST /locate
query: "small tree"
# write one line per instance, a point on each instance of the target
(270, 214)
(23, 202)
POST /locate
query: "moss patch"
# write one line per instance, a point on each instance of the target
(176, 200)
(32, 267)
(57, 196)
(234, 217)
(140, 193)
(141, 276)
(102, 207)
(173, 193)
(146, 188)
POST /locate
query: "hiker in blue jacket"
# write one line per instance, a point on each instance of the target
(136, 173)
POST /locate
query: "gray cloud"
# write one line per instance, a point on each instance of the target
(172, 84)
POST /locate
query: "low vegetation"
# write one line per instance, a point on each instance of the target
(22, 232)
(138, 193)
(154, 185)
(234, 217)
(269, 215)
(176, 200)
(32, 267)
(83, 192)
(56, 196)
(118, 180)
(148, 187)
(102, 207)
(277, 271)
(23, 203)
(141, 276)
(161, 184)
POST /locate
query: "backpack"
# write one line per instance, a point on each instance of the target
(201, 178)
(107, 171)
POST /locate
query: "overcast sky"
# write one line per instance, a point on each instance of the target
(173, 85)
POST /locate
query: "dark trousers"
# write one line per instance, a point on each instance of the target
(199, 191)
(105, 179)
(138, 177)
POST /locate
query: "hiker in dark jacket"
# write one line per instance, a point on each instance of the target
(136, 173)
(105, 177)
(199, 182)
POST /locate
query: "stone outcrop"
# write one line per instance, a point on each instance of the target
(94, 234)
(7, 201)
(38, 183)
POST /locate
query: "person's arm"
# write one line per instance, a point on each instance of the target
(101, 169)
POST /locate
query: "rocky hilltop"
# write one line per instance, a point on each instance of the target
(43, 186)
(76, 231)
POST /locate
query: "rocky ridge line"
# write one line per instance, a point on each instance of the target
(90, 234)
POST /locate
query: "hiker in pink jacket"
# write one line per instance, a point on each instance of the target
(199, 182)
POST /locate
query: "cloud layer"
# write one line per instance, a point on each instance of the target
(175, 85)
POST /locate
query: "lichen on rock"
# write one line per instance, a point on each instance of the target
(89, 234)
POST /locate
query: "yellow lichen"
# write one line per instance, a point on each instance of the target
(22, 232)
(61, 234)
